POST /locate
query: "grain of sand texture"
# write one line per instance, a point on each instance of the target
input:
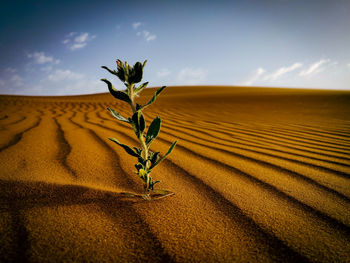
(260, 175)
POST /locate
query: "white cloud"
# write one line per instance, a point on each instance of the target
(314, 68)
(61, 75)
(255, 77)
(77, 46)
(348, 65)
(10, 81)
(163, 73)
(83, 86)
(16, 80)
(150, 38)
(136, 25)
(76, 41)
(72, 87)
(146, 35)
(41, 58)
(190, 76)
(83, 37)
(282, 71)
(66, 82)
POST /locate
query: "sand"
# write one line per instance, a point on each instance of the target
(259, 175)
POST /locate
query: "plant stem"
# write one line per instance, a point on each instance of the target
(144, 147)
(131, 95)
(140, 137)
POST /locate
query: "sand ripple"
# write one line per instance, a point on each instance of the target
(260, 175)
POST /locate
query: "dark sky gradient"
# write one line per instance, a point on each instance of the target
(263, 43)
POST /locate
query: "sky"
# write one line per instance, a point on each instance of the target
(58, 47)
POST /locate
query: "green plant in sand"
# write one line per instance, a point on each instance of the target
(146, 159)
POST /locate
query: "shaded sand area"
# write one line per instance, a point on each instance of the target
(260, 175)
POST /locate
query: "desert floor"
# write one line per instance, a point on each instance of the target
(259, 175)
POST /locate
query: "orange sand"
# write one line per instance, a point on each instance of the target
(260, 175)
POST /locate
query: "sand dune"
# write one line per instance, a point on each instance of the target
(259, 175)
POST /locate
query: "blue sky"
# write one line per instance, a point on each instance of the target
(57, 47)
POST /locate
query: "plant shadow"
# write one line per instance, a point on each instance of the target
(22, 195)
(18, 196)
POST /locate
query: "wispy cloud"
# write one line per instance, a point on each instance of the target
(10, 81)
(148, 36)
(191, 76)
(260, 75)
(297, 74)
(136, 25)
(62, 75)
(67, 82)
(314, 68)
(258, 72)
(163, 73)
(42, 58)
(84, 86)
(76, 40)
(282, 71)
(71, 87)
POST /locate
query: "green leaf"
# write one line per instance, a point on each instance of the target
(110, 71)
(142, 161)
(142, 173)
(135, 73)
(121, 72)
(154, 183)
(125, 147)
(142, 122)
(153, 130)
(138, 71)
(154, 158)
(138, 107)
(138, 150)
(139, 166)
(127, 68)
(165, 155)
(139, 122)
(140, 88)
(154, 97)
(144, 64)
(117, 115)
(120, 95)
(135, 118)
(119, 63)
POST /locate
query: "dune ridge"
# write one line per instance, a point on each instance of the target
(260, 175)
